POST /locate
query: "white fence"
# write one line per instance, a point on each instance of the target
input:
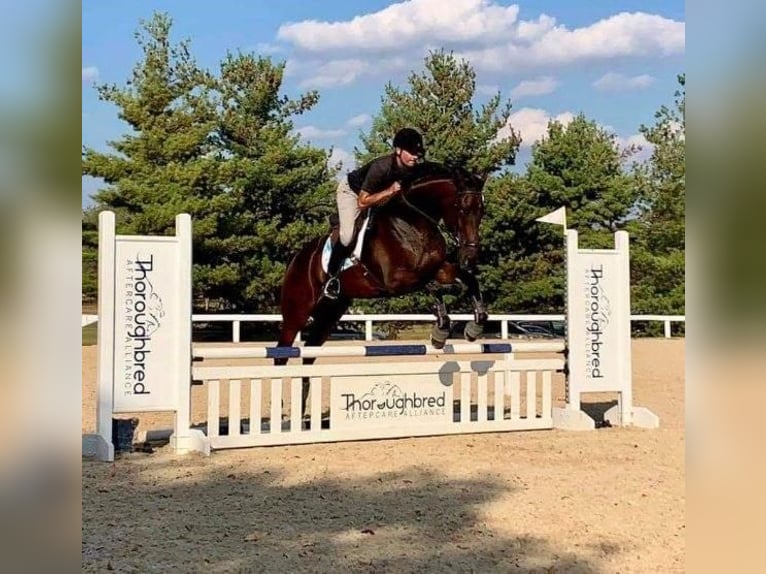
(369, 320)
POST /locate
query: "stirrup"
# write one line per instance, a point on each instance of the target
(332, 288)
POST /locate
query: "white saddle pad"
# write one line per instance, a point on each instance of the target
(357, 253)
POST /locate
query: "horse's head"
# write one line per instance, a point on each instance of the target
(454, 196)
(466, 216)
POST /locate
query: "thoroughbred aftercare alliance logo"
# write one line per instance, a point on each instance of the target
(143, 313)
(386, 400)
(597, 319)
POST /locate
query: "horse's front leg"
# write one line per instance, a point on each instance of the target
(440, 332)
(474, 329)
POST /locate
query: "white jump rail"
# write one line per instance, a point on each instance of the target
(374, 400)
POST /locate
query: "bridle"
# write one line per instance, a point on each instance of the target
(456, 205)
(453, 235)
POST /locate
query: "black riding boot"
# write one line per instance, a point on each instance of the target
(332, 286)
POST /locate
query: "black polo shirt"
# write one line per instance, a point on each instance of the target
(376, 175)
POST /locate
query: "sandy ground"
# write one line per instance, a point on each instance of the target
(607, 501)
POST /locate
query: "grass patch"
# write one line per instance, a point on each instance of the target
(89, 333)
(415, 332)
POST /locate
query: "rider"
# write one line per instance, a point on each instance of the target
(373, 184)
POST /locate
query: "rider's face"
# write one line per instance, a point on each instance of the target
(407, 158)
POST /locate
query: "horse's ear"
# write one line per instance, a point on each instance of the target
(477, 178)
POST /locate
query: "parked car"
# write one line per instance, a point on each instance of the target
(529, 330)
(557, 328)
(350, 332)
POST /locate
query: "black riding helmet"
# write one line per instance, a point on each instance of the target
(410, 141)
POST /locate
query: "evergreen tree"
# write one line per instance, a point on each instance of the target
(439, 103)
(658, 250)
(279, 191)
(578, 166)
(221, 148)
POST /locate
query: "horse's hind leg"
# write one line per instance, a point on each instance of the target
(327, 314)
(299, 295)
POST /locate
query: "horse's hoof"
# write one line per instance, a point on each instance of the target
(437, 344)
(473, 331)
(439, 337)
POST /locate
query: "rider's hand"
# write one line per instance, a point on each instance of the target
(396, 187)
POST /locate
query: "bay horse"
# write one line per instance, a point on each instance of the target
(404, 251)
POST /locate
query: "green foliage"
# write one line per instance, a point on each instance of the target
(89, 256)
(578, 166)
(217, 146)
(523, 263)
(220, 146)
(657, 255)
(438, 102)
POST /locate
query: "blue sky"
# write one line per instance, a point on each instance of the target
(615, 61)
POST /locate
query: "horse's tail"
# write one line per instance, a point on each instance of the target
(301, 288)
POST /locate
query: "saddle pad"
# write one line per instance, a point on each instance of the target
(326, 250)
(348, 262)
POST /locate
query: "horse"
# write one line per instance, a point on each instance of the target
(404, 251)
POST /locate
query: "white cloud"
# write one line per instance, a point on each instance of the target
(315, 133)
(334, 73)
(358, 121)
(267, 48)
(490, 36)
(646, 148)
(537, 87)
(403, 25)
(635, 139)
(614, 82)
(531, 124)
(487, 90)
(345, 158)
(89, 74)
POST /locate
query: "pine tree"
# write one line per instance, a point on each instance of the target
(578, 166)
(438, 102)
(658, 253)
(221, 148)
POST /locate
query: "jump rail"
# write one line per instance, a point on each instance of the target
(200, 352)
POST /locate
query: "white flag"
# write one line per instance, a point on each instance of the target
(558, 217)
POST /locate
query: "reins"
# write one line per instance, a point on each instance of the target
(451, 234)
